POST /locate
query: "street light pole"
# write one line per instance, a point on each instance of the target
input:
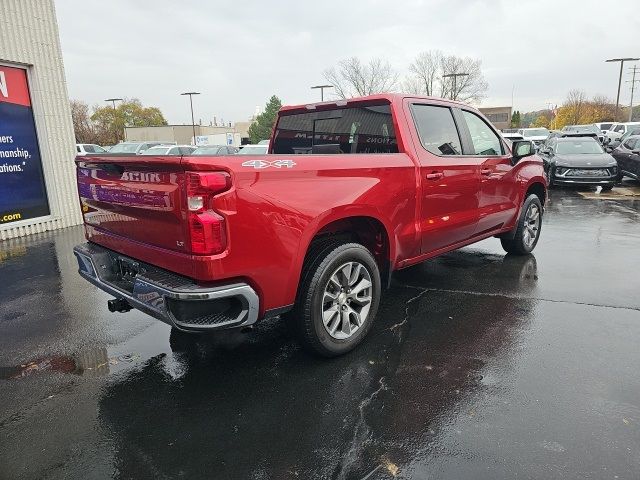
(113, 102)
(455, 83)
(193, 121)
(322, 87)
(621, 60)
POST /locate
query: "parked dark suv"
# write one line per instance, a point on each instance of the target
(628, 157)
(578, 161)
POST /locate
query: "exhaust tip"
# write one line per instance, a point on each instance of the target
(118, 305)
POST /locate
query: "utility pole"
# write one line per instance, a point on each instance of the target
(322, 87)
(621, 60)
(633, 84)
(454, 93)
(113, 102)
(193, 121)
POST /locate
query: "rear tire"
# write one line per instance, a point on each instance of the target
(607, 188)
(528, 228)
(337, 300)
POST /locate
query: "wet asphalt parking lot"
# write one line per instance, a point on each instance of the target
(479, 366)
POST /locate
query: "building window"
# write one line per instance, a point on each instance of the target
(497, 117)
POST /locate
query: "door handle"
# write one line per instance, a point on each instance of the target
(485, 171)
(435, 175)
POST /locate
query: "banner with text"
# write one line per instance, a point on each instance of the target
(22, 190)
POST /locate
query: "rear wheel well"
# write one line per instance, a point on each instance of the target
(539, 190)
(367, 231)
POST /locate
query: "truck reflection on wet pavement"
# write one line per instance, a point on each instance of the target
(480, 365)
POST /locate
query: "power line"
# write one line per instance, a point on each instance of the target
(621, 60)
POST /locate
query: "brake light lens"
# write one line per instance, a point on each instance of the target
(207, 229)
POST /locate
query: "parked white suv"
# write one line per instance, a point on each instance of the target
(85, 148)
(619, 129)
(535, 135)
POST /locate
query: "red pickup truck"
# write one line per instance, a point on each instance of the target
(350, 192)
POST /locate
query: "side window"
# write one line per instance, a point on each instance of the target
(89, 149)
(619, 129)
(630, 144)
(485, 141)
(437, 129)
(185, 150)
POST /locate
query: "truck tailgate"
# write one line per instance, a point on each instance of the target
(137, 197)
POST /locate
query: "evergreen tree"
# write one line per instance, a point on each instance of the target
(515, 119)
(261, 128)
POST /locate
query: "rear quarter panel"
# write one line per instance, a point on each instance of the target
(274, 212)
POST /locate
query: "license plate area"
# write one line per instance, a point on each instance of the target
(125, 272)
(587, 173)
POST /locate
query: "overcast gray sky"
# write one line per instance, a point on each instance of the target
(239, 53)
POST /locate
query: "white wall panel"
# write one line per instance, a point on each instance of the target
(29, 37)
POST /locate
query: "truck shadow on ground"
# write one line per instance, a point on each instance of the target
(256, 406)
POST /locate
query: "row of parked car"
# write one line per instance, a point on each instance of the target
(169, 148)
(596, 154)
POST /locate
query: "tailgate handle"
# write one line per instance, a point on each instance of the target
(112, 168)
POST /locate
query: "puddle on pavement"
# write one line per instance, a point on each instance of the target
(93, 362)
(97, 361)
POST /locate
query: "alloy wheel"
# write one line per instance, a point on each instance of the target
(531, 225)
(346, 300)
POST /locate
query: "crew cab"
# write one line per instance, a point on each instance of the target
(350, 191)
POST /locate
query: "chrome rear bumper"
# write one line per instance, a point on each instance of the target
(169, 297)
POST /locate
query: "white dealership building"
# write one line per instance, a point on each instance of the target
(37, 146)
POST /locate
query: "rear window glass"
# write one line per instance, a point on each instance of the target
(436, 129)
(356, 129)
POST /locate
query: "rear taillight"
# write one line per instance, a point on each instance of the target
(207, 230)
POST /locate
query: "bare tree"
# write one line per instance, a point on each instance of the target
(425, 73)
(470, 87)
(81, 122)
(353, 78)
(577, 106)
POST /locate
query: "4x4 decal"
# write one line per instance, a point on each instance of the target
(259, 164)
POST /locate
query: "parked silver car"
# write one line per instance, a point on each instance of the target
(136, 147)
(169, 150)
